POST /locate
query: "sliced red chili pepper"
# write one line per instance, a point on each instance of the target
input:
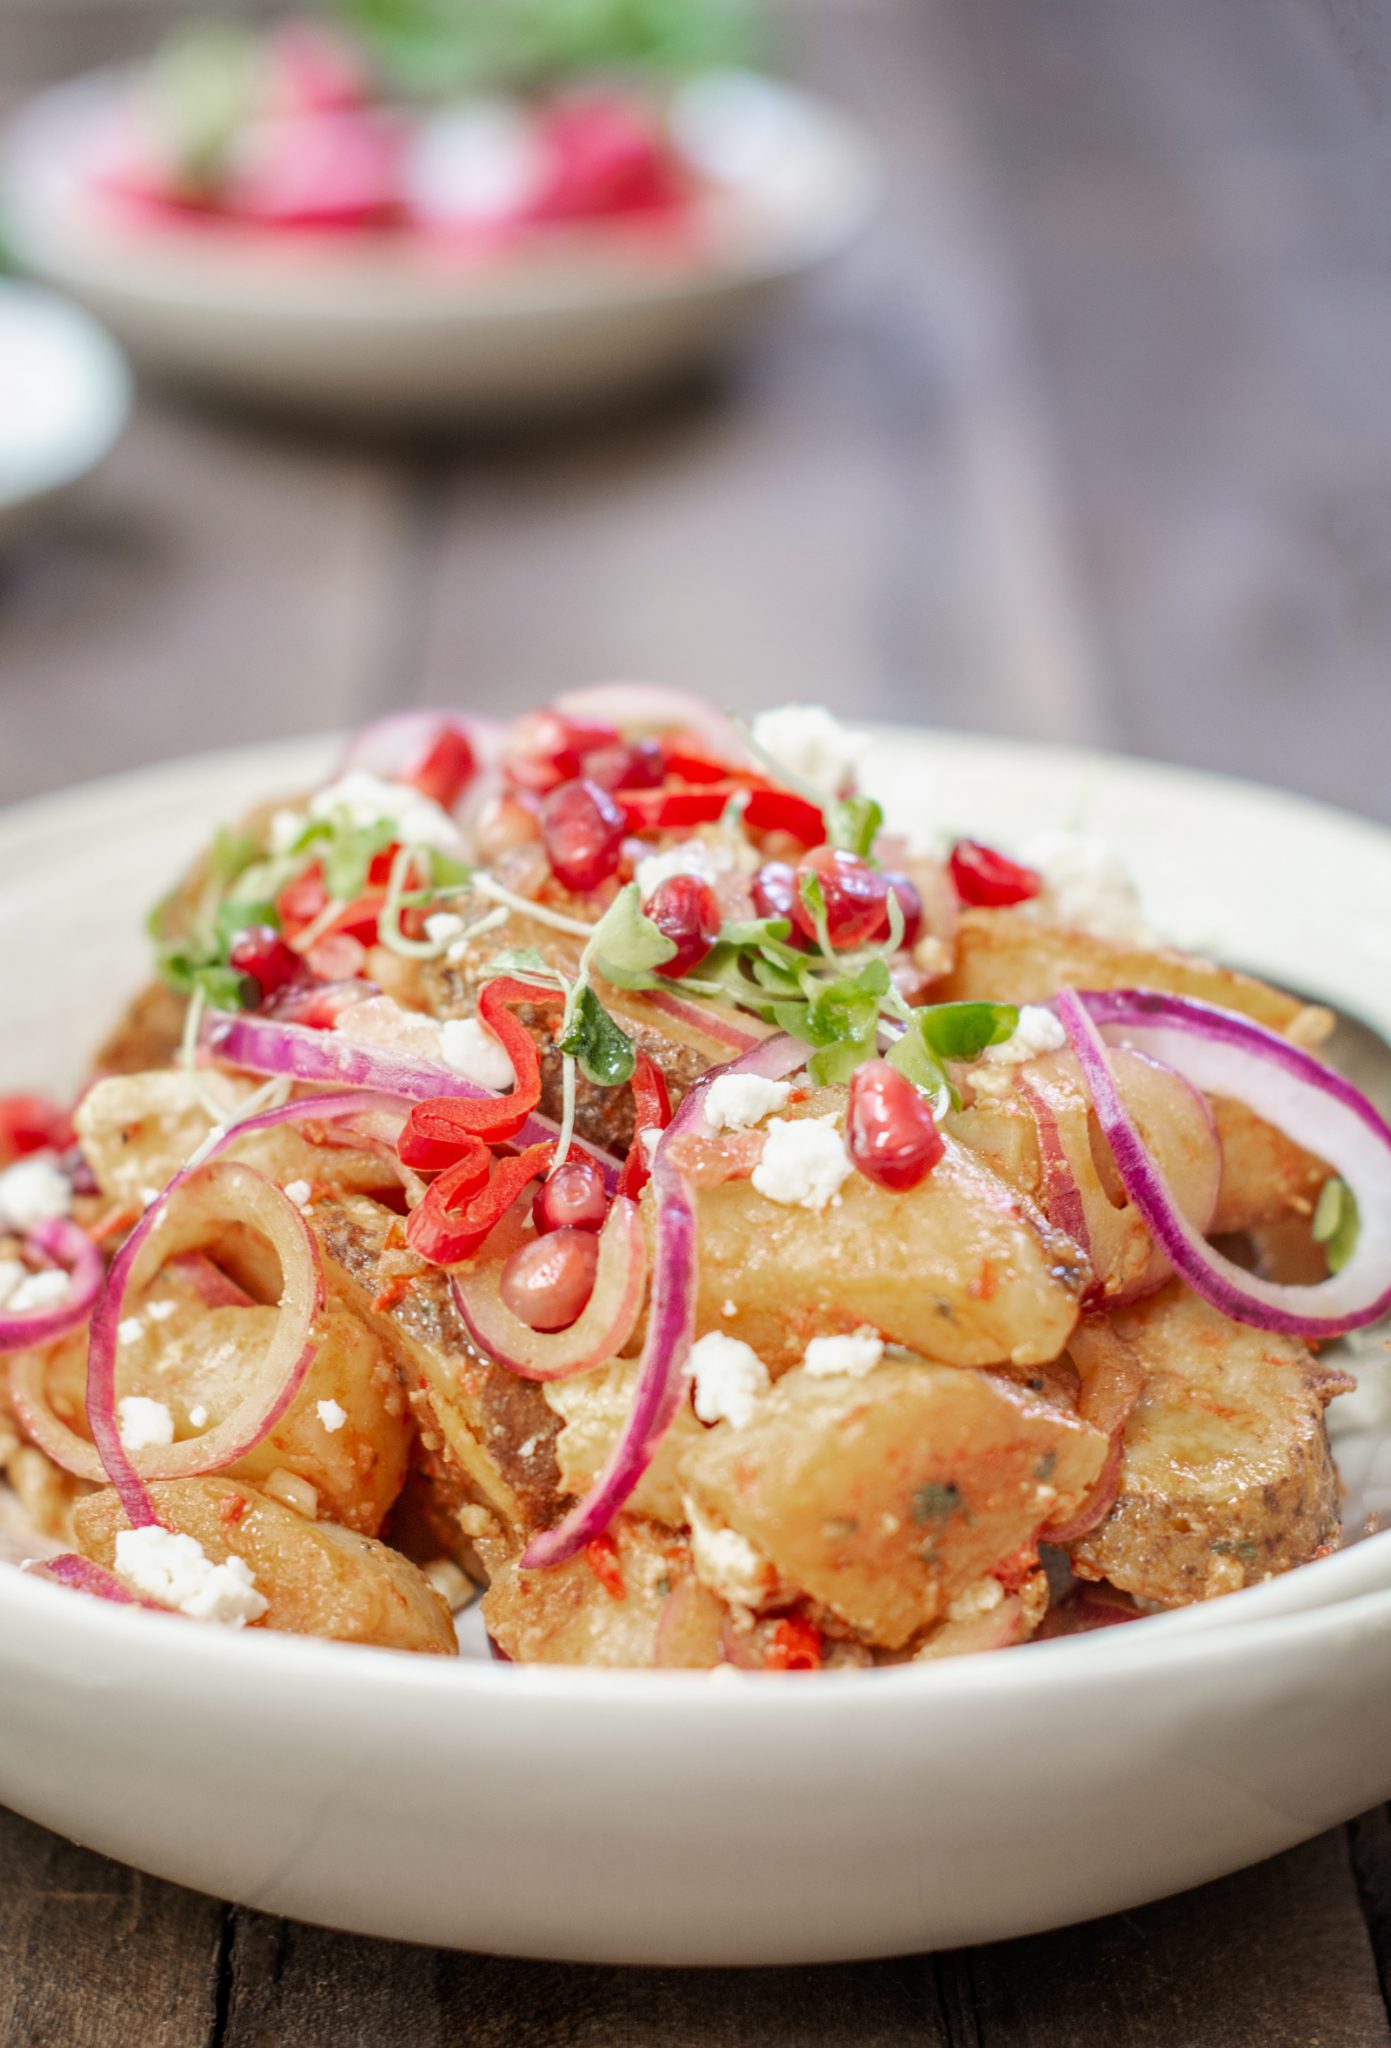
(437, 1132)
(990, 880)
(448, 768)
(767, 809)
(652, 1112)
(465, 1203)
(32, 1123)
(601, 1555)
(301, 901)
(795, 1646)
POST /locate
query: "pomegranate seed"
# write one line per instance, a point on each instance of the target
(546, 1283)
(639, 764)
(320, 1006)
(505, 823)
(337, 957)
(447, 769)
(856, 897)
(775, 889)
(583, 829)
(574, 1198)
(909, 902)
(31, 1123)
(605, 157)
(891, 1133)
(263, 955)
(546, 749)
(988, 879)
(687, 911)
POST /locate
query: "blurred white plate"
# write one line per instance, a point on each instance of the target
(387, 328)
(64, 395)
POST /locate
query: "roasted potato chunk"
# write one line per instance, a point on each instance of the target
(320, 1580)
(1226, 1474)
(1009, 956)
(959, 1268)
(886, 1497)
(646, 1608)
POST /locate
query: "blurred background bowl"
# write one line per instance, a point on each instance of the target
(64, 396)
(396, 329)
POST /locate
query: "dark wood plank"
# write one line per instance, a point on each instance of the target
(320, 1990)
(1370, 1839)
(1277, 1957)
(93, 1955)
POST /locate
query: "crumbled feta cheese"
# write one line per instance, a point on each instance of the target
(285, 828)
(854, 1355)
(980, 1598)
(727, 1562)
(441, 926)
(1087, 886)
(479, 162)
(168, 1566)
(1038, 1031)
(811, 744)
(733, 1102)
(34, 1191)
(160, 1311)
(198, 1417)
(705, 858)
(804, 1162)
(473, 1052)
(332, 1416)
(730, 1378)
(299, 1192)
(728, 1307)
(128, 1330)
(142, 1422)
(39, 1290)
(364, 799)
(149, 1196)
(13, 1274)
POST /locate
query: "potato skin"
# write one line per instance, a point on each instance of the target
(320, 1580)
(960, 1268)
(567, 1614)
(1226, 1473)
(885, 1497)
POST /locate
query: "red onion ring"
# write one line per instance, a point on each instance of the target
(397, 747)
(1222, 1053)
(285, 1364)
(262, 1046)
(1062, 1198)
(717, 1027)
(65, 1244)
(601, 1330)
(661, 1382)
(86, 1577)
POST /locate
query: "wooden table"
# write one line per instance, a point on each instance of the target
(1091, 440)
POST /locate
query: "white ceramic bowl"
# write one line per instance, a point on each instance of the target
(387, 331)
(64, 396)
(684, 1817)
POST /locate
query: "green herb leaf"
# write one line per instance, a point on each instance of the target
(604, 1053)
(854, 824)
(962, 1031)
(526, 964)
(230, 855)
(1337, 1224)
(625, 945)
(235, 916)
(917, 1062)
(349, 853)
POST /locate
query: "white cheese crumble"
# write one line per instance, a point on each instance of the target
(700, 857)
(128, 1330)
(173, 1568)
(362, 799)
(730, 1379)
(1038, 1031)
(1087, 886)
(478, 162)
(198, 1417)
(469, 1050)
(13, 1274)
(441, 926)
(855, 1355)
(143, 1423)
(160, 1311)
(299, 1192)
(39, 1290)
(734, 1102)
(727, 1562)
(34, 1191)
(980, 1598)
(285, 828)
(811, 744)
(332, 1415)
(804, 1162)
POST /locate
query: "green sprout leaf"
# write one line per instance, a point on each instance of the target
(625, 945)
(854, 824)
(526, 964)
(962, 1031)
(1337, 1224)
(604, 1053)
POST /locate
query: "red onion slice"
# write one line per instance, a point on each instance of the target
(717, 1026)
(154, 1241)
(396, 747)
(65, 1244)
(1222, 1053)
(602, 1329)
(661, 1384)
(86, 1577)
(260, 1045)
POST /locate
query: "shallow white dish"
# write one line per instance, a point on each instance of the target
(684, 1818)
(64, 396)
(386, 331)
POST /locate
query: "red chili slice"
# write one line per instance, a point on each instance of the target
(796, 1646)
(652, 1112)
(988, 880)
